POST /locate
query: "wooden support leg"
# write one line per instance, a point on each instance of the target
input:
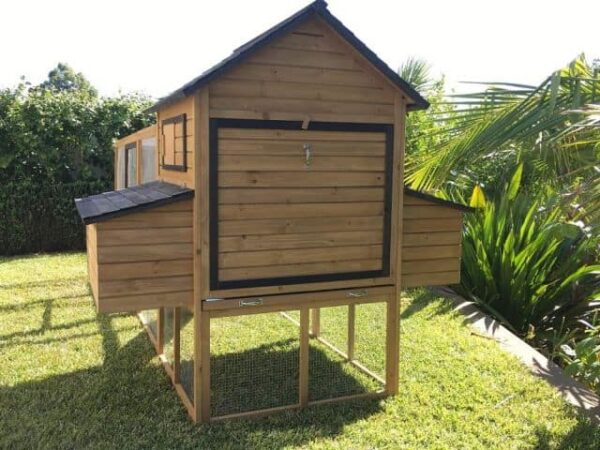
(315, 322)
(304, 346)
(351, 330)
(392, 344)
(176, 344)
(201, 364)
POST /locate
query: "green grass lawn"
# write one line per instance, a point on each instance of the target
(73, 379)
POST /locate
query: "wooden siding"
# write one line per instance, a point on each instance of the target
(306, 74)
(431, 246)
(280, 218)
(142, 260)
(184, 106)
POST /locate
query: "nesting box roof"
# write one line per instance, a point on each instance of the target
(108, 205)
(317, 8)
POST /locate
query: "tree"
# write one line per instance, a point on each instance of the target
(64, 78)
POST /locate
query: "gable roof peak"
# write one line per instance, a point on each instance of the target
(318, 8)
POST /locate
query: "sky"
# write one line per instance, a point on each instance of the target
(154, 47)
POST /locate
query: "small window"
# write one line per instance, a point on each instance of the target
(148, 160)
(174, 144)
(131, 164)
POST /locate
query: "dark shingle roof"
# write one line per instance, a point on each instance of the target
(108, 205)
(319, 8)
(440, 201)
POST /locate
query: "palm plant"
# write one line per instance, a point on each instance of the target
(543, 126)
(526, 265)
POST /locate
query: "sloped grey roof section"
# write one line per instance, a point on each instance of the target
(319, 8)
(439, 201)
(108, 205)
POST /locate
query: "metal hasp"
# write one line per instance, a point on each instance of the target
(307, 155)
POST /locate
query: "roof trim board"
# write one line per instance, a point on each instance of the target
(318, 8)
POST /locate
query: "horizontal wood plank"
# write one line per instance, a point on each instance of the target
(145, 269)
(264, 105)
(145, 236)
(301, 135)
(246, 273)
(289, 211)
(140, 286)
(286, 73)
(308, 179)
(134, 253)
(134, 303)
(149, 219)
(271, 147)
(298, 256)
(229, 196)
(307, 91)
(296, 162)
(299, 240)
(310, 225)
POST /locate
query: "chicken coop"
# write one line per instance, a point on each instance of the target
(262, 231)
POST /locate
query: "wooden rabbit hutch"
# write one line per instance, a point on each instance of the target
(262, 230)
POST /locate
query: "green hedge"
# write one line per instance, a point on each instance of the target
(41, 217)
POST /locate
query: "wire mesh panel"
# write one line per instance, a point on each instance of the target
(347, 356)
(149, 318)
(186, 343)
(370, 336)
(168, 334)
(254, 363)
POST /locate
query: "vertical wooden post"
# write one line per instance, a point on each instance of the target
(304, 351)
(201, 257)
(393, 303)
(315, 322)
(351, 330)
(176, 343)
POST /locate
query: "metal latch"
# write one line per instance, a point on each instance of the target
(251, 302)
(307, 155)
(359, 293)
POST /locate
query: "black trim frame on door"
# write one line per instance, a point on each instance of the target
(216, 124)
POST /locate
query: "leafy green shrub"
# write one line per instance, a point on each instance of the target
(56, 144)
(42, 217)
(581, 358)
(527, 266)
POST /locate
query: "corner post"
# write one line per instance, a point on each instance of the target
(201, 257)
(393, 305)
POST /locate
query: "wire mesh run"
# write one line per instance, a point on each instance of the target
(149, 318)
(254, 363)
(347, 351)
(186, 352)
(168, 327)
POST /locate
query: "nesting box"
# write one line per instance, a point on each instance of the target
(267, 208)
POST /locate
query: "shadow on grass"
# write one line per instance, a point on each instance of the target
(421, 299)
(128, 402)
